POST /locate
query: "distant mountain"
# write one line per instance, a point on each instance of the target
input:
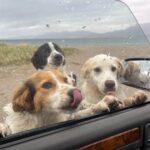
(129, 33)
(66, 35)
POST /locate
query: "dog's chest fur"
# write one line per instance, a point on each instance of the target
(21, 121)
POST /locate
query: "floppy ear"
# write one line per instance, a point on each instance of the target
(23, 98)
(85, 70)
(128, 70)
(39, 59)
(120, 67)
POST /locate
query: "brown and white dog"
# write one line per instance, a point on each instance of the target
(101, 77)
(47, 97)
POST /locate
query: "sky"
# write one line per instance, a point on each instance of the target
(141, 9)
(32, 18)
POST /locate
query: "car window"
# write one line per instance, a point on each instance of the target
(87, 41)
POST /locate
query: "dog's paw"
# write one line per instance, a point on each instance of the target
(3, 130)
(112, 102)
(139, 97)
(73, 78)
(108, 104)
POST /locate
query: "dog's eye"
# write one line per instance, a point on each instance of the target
(113, 68)
(47, 85)
(97, 70)
(65, 80)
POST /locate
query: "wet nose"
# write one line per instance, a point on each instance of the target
(110, 84)
(58, 57)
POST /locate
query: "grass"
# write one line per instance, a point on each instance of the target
(21, 54)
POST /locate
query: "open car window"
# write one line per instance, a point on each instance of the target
(82, 29)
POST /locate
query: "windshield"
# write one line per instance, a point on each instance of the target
(86, 41)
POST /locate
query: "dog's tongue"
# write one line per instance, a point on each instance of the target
(111, 93)
(77, 98)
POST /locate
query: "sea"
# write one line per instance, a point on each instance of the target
(78, 41)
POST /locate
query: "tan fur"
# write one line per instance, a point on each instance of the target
(22, 99)
(120, 67)
(85, 70)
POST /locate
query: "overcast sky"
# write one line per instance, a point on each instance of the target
(32, 18)
(141, 9)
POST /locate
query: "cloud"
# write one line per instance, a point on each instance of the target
(140, 8)
(27, 19)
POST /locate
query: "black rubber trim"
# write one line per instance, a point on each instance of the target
(137, 58)
(81, 132)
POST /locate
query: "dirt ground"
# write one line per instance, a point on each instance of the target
(12, 76)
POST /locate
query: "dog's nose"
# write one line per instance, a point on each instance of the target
(110, 84)
(75, 96)
(70, 93)
(58, 57)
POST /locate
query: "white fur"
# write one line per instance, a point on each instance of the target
(52, 111)
(55, 108)
(53, 53)
(93, 87)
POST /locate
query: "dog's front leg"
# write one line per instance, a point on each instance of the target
(137, 99)
(4, 130)
(107, 104)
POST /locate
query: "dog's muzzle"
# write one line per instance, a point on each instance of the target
(58, 59)
(110, 87)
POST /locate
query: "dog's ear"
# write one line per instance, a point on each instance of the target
(120, 67)
(39, 59)
(85, 70)
(128, 70)
(23, 99)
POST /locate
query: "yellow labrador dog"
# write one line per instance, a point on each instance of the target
(101, 77)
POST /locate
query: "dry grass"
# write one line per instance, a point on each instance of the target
(21, 54)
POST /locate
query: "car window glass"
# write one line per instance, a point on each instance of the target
(82, 29)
